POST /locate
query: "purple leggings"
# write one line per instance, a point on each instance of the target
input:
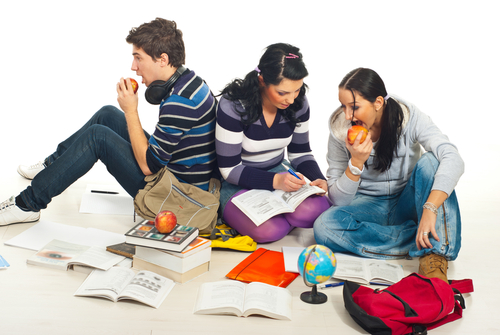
(278, 226)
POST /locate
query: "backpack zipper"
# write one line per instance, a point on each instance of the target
(188, 198)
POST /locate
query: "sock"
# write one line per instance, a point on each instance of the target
(20, 203)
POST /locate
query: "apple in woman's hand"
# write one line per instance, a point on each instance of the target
(353, 132)
(135, 86)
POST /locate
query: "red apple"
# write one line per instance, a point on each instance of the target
(135, 86)
(165, 222)
(353, 132)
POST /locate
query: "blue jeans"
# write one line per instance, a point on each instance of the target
(104, 137)
(385, 226)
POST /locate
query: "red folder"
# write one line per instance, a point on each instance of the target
(265, 266)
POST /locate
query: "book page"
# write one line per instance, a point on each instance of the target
(260, 205)
(294, 199)
(351, 268)
(223, 297)
(106, 284)
(268, 300)
(98, 257)
(149, 288)
(57, 254)
(385, 272)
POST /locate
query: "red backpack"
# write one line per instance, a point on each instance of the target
(411, 306)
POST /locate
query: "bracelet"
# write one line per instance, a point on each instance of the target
(430, 206)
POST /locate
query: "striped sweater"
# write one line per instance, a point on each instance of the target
(246, 152)
(184, 138)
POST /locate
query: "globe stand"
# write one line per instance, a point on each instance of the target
(312, 297)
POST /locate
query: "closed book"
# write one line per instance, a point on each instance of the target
(172, 262)
(124, 249)
(141, 264)
(197, 245)
(145, 234)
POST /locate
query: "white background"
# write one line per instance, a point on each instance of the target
(61, 60)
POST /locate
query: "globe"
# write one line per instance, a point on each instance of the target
(317, 264)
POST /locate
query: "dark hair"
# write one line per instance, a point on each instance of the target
(157, 37)
(369, 85)
(279, 61)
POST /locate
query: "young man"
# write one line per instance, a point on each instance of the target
(183, 139)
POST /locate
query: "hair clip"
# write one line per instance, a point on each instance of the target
(291, 56)
(257, 69)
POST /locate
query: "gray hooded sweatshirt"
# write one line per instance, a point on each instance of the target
(419, 134)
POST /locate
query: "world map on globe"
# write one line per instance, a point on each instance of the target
(320, 266)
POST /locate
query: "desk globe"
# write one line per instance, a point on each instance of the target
(317, 264)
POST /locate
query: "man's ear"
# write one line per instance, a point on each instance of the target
(164, 59)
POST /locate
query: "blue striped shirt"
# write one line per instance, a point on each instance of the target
(184, 138)
(246, 152)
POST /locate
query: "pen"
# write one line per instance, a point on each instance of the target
(331, 285)
(104, 192)
(293, 173)
(381, 284)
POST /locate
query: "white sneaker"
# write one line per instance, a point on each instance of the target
(10, 213)
(30, 171)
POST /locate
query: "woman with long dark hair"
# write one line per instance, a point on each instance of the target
(259, 118)
(390, 200)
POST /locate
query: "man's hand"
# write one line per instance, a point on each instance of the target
(127, 99)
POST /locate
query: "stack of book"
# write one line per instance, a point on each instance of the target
(181, 255)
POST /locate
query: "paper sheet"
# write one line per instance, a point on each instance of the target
(116, 202)
(43, 232)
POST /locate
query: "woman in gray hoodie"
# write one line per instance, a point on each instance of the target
(391, 200)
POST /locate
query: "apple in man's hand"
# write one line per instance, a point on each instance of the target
(135, 86)
(165, 222)
(353, 132)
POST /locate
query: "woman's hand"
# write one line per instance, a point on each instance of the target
(288, 183)
(360, 152)
(427, 225)
(321, 183)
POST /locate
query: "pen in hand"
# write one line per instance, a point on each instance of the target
(293, 173)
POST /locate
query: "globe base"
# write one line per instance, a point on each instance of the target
(314, 297)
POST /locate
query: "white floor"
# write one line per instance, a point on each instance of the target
(37, 300)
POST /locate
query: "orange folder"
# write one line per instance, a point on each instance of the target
(265, 266)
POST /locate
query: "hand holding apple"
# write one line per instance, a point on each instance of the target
(135, 86)
(165, 222)
(353, 132)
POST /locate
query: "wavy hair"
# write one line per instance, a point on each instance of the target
(157, 37)
(370, 86)
(274, 66)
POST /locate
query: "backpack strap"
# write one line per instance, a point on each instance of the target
(463, 285)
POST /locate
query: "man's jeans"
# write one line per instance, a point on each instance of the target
(385, 226)
(104, 137)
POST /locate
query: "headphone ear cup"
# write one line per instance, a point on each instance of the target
(155, 92)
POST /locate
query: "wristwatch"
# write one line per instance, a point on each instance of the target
(354, 170)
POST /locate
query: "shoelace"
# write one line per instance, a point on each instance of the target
(36, 166)
(6, 204)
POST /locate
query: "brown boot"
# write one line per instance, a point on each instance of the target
(433, 266)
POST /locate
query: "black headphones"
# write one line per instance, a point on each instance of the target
(158, 89)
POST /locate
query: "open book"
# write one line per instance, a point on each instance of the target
(62, 255)
(119, 283)
(367, 270)
(261, 205)
(240, 299)
(354, 268)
